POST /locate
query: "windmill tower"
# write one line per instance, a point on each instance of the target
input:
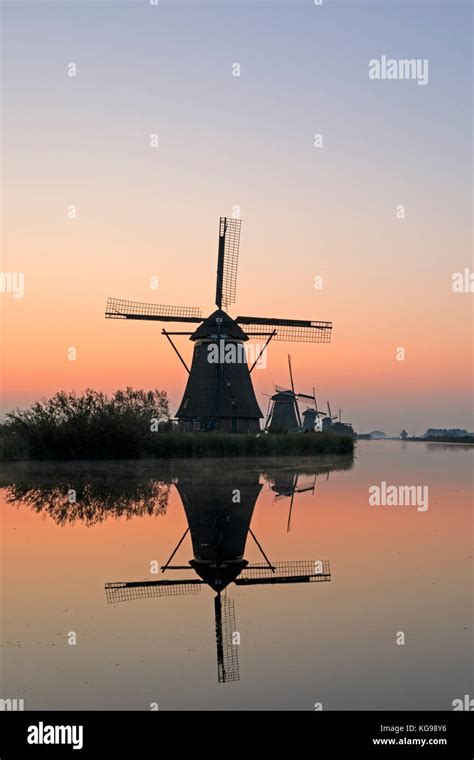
(284, 413)
(310, 417)
(219, 394)
(219, 531)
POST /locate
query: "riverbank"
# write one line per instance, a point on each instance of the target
(175, 445)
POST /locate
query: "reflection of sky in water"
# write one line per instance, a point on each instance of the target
(393, 569)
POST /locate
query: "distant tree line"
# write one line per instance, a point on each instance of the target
(446, 432)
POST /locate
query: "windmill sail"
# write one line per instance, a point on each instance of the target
(299, 571)
(227, 651)
(227, 261)
(124, 592)
(295, 330)
(117, 308)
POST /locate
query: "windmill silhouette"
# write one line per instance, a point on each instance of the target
(219, 529)
(343, 427)
(219, 394)
(328, 420)
(312, 416)
(284, 414)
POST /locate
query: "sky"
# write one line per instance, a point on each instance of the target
(241, 144)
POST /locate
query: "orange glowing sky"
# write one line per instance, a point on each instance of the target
(246, 142)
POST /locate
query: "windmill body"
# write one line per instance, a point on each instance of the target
(219, 393)
(327, 424)
(309, 419)
(284, 417)
(219, 528)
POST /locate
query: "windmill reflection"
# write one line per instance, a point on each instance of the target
(219, 509)
(288, 481)
(219, 499)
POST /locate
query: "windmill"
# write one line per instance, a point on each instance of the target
(219, 394)
(219, 529)
(328, 419)
(284, 414)
(343, 427)
(312, 416)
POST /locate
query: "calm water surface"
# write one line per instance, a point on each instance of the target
(241, 626)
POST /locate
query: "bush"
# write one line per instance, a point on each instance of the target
(87, 426)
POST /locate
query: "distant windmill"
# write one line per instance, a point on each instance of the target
(329, 419)
(219, 533)
(343, 427)
(219, 393)
(284, 414)
(312, 417)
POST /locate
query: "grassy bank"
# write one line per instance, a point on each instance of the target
(445, 439)
(227, 445)
(135, 424)
(177, 445)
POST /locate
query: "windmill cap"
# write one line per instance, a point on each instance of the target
(218, 578)
(283, 396)
(219, 323)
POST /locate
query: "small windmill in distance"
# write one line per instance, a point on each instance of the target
(328, 420)
(284, 414)
(312, 417)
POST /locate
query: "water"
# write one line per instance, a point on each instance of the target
(396, 572)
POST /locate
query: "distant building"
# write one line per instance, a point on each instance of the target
(375, 434)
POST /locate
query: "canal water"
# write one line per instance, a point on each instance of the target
(291, 583)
